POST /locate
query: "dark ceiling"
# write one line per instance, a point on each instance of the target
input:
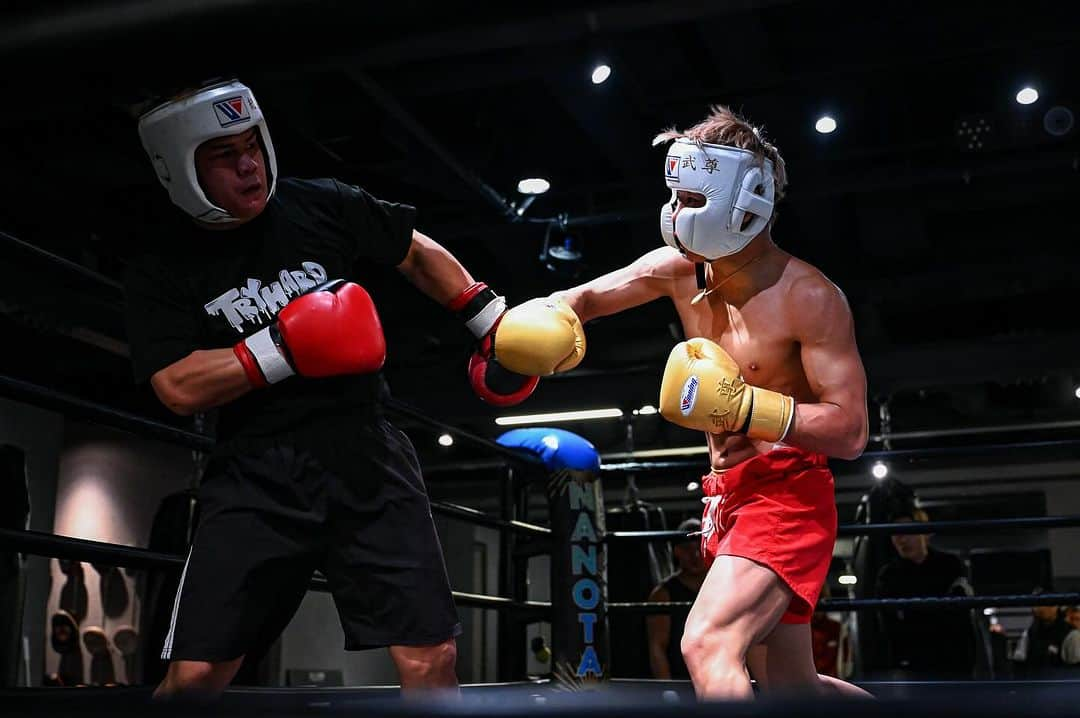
(959, 264)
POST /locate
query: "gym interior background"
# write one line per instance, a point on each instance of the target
(943, 203)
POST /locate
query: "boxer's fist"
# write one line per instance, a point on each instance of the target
(481, 309)
(331, 330)
(493, 382)
(702, 390)
(540, 337)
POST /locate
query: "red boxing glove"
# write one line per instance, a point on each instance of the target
(333, 329)
(481, 309)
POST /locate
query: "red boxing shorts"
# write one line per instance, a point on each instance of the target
(776, 509)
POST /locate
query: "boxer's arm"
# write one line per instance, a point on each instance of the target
(836, 424)
(658, 628)
(202, 380)
(433, 270)
(650, 277)
(438, 274)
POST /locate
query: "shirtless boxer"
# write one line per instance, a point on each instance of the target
(758, 315)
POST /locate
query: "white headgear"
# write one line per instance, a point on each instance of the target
(172, 131)
(734, 182)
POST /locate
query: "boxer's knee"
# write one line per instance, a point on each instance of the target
(716, 660)
(709, 647)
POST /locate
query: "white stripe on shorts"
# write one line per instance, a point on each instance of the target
(166, 650)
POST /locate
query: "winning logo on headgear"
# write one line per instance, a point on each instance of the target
(172, 131)
(231, 110)
(671, 168)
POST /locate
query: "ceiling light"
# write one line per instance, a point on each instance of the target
(879, 470)
(446, 440)
(1077, 392)
(848, 580)
(533, 185)
(825, 125)
(559, 416)
(693, 486)
(647, 409)
(1027, 96)
(600, 73)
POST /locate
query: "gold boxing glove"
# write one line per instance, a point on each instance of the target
(702, 390)
(540, 337)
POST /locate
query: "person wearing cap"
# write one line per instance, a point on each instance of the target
(926, 643)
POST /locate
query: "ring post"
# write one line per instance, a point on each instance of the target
(579, 635)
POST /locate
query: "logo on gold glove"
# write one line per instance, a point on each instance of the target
(688, 396)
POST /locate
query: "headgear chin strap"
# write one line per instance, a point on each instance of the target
(172, 131)
(734, 182)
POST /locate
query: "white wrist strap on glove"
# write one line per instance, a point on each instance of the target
(269, 358)
(482, 322)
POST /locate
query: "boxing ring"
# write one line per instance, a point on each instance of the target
(632, 699)
(580, 683)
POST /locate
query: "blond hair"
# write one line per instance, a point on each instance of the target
(723, 126)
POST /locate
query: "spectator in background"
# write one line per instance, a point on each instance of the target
(1070, 647)
(1038, 653)
(926, 643)
(665, 630)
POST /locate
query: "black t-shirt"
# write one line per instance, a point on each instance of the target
(934, 640)
(207, 289)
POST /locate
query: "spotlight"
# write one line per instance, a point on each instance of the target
(563, 257)
(647, 409)
(848, 580)
(446, 440)
(565, 252)
(825, 125)
(533, 185)
(693, 486)
(600, 74)
(879, 470)
(1027, 96)
(1077, 392)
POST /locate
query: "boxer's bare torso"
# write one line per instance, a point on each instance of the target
(760, 306)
